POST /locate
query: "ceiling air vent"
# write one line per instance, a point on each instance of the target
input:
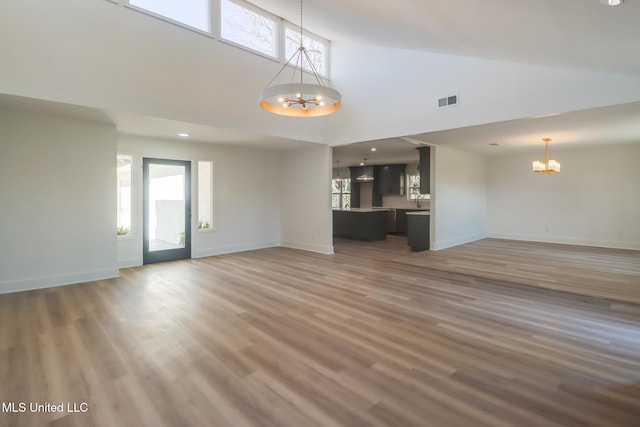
(448, 101)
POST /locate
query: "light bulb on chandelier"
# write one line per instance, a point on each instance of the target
(297, 98)
(548, 166)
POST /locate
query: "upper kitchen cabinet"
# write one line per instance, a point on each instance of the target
(361, 173)
(355, 186)
(391, 179)
(425, 170)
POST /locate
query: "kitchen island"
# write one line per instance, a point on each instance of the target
(418, 230)
(360, 223)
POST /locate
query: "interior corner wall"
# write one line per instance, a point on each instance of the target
(58, 196)
(307, 221)
(459, 202)
(593, 201)
(246, 195)
(407, 85)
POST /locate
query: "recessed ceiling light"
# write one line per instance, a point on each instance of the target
(611, 2)
(361, 163)
(183, 134)
(374, 149)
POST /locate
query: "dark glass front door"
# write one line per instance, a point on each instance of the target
(166, 210)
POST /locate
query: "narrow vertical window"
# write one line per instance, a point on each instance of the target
(123, 186)
(205, 195)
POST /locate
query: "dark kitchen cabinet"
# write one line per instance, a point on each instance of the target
(418, 231)
(425, 170)
(376, 197)
(369, 225)
(355, 186)
(390, 179)
(360, 171)
(401, 220)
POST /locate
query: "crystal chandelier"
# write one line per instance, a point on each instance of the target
(297, 98)
(548, 166)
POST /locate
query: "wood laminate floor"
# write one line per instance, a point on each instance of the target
(281, 337)
(598, 272)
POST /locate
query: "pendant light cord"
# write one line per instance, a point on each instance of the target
(546, 154)
(301, 45)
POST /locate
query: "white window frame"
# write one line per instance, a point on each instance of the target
(212, 224)
(212, 4)
(132, 196)
(341, 193)
(296, 29)
(215, 30)
(278, 31)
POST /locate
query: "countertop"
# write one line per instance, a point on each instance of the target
(363, 210)
(424, 213)
(405, 209)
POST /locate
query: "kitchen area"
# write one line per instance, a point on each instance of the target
(382, 188)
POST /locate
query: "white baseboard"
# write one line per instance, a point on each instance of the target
(444, 244)
(32, 283)
(321, 249)
(232, 249)
(563, 240)
(128, 263)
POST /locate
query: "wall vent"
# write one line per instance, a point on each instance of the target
(448, 101)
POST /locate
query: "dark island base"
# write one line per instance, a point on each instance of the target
(356, 225)
(418, 232)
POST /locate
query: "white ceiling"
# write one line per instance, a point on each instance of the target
(568, 33)
(388, 151)
(162, 128)
(565, 33)
(132, 124)
(583, 34)
(618, 124)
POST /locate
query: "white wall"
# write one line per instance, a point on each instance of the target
(57, 190)
(459, 203)
(594, 201)
(247, 195)
(307, 221)
(103, 55)
(107, 56)
(393, 92)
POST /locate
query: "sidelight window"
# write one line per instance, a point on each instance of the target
(123, 194)
(205, 195)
